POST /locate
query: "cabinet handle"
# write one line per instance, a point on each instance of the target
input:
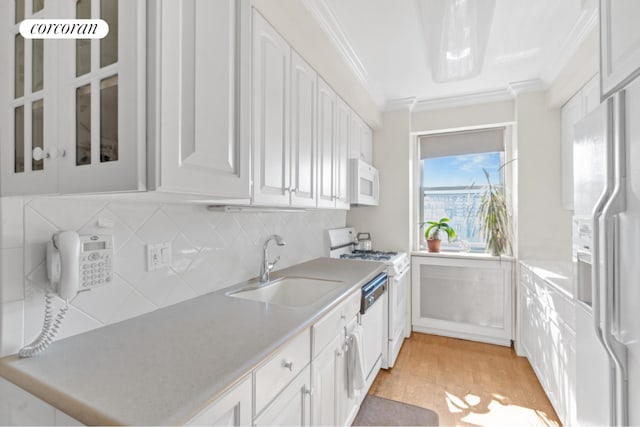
(288, 365)
(308, 391)
(343, 316)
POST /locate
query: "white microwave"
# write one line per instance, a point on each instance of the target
(365, 183)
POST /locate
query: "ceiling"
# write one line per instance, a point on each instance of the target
(384, 42)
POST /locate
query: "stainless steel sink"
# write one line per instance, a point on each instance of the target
(289, 291)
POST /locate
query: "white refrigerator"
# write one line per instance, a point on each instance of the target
(607, 256)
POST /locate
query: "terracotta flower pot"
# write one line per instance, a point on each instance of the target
(433, 245)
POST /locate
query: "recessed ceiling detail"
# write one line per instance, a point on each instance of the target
(526, 41)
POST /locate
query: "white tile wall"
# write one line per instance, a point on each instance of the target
(211, 250)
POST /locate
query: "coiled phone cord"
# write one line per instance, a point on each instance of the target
(49, 328)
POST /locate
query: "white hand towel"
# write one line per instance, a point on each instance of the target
(355, 364)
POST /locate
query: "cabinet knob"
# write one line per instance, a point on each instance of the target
(308, 391)
(343, 316)
(39, 154)
(288, 364)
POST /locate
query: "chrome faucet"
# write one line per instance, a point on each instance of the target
(266, 265)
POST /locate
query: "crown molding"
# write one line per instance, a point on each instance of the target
(587, 21)
(400, 104)
(463, 100)
(323, 15)
(524, 86)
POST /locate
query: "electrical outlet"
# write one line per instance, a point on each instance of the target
(158, 256)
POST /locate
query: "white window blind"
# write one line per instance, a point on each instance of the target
(460, 143)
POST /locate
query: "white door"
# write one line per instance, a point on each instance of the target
(357, 133)
(326, 377)
(232, 409)
(372, 334)
(341, 157)
(570, 114)
(102, 93)
(204, 120)
(366, 144)
(291, 406)
(271, 81)
(628, 289)
(326, 145)
(303, 133)
(619, 43)
(28, 118)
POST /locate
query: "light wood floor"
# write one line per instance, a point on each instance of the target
(466, 383)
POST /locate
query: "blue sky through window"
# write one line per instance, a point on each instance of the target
(447, 192)
(461, 171)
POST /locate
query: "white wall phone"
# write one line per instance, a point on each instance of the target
(74, 263)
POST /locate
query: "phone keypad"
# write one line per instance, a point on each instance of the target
(96, 269)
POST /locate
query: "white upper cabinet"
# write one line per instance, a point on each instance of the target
(619, 44)
(361, 146)
(271, 120)
(366, 145)
(570, 114)
(582, 103)
(303, 133)
(591, 95)
(326, 145)
(202, 114)
(341, 158)
(284, 122)
(75, 117)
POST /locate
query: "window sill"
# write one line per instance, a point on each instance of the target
(463, 255)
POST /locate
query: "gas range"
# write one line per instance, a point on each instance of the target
(396, 322)
(341, 245)
(370, 255)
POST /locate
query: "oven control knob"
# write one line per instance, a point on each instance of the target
(371, 300)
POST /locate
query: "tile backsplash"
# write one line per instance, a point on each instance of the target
(210, 251)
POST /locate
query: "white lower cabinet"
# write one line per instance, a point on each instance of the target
(547, 339)
(326, 375)
(330, 402)
(292, 406)
(232, 409)
(20, 408)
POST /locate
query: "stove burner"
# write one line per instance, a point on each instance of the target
(370, 255)
(374, 253)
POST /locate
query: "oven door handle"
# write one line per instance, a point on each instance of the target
(400, 276)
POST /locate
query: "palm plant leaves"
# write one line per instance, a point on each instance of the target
(494, 219)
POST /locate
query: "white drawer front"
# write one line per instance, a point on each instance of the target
(278, 371)
(329, 326)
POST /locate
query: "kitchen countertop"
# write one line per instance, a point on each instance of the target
(557, 273)
(163, 367)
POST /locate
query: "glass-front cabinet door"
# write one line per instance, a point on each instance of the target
(77, 119)
(28, 96)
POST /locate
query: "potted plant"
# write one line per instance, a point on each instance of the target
(432, 233)
(494, 217)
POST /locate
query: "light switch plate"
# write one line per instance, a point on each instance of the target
(158, 256)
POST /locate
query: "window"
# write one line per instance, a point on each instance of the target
(452, 182)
